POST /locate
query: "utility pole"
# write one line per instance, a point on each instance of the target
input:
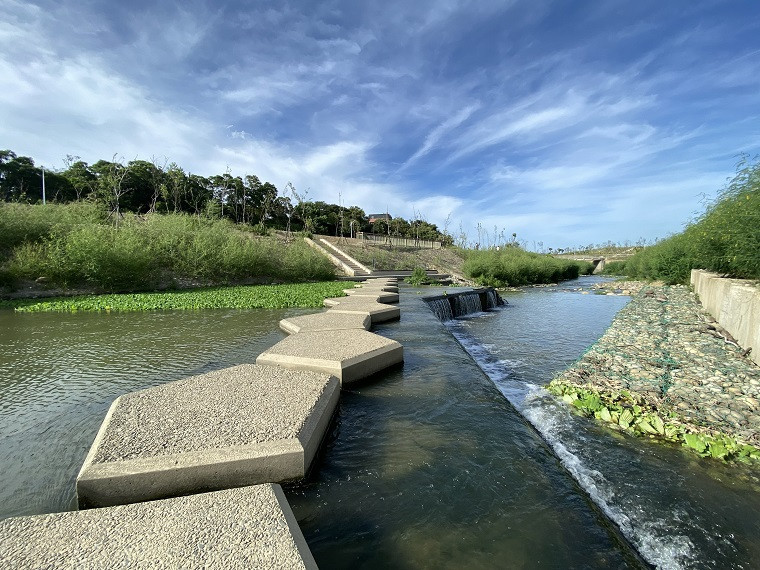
(43, 185)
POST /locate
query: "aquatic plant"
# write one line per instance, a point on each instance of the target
(633, 415)
(242, 297)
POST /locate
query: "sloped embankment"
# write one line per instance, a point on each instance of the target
(664, 369)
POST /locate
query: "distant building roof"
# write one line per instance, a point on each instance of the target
(375, 217)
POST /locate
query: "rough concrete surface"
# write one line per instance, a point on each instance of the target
(378, 312)
(735, 304)
(379, 296)
(238, 426)
(326, 322)
(349, 356)
(249, 527)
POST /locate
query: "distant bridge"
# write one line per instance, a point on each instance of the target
(599, 261)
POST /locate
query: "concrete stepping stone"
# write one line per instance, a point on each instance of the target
(378, 312)
(385, 288)
(326, 322)
(228, 428)
(347, 355)
(379, 296)
(249, 527)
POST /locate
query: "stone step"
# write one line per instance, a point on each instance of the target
(349, 356)
(248, 527)
(239, 426)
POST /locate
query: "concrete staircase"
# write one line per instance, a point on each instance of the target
(358, 269)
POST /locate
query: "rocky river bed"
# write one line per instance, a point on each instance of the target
(666, 368)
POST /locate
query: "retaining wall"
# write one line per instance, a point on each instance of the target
(735, 304)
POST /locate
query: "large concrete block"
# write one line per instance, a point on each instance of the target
(326, 322)
(347, 355)
(378, 312)
(249, 527)
(376, 295)
(229, 428)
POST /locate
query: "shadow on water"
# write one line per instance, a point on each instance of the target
(429, 466)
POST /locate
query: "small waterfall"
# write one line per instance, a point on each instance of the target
(451, 305)
(492, 299)
(441, 308)
(467, 303)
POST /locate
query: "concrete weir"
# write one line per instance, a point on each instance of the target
(239, 426)
(248, 527)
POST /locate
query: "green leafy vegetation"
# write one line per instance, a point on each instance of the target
(724, 239)
(76, 245)
(512, 266)
(633, 415)
(418, 277)
(241, 297)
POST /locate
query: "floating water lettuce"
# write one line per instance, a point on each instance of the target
(243, 297)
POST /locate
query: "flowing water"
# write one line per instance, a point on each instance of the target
(427, 465)
(677, 510)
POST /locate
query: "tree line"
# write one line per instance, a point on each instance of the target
(144, 187)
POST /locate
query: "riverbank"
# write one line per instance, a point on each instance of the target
(665, 369)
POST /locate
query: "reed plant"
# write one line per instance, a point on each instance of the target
(513, 266)
(724, 239)
(145, 252)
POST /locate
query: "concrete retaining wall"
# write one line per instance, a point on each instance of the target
(735, 304)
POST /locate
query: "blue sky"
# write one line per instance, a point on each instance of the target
(567, 123)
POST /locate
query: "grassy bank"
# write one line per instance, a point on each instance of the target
(512, 266)
(75, 245)
(244, 297)
(724, 239)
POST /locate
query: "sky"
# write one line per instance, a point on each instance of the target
(564, 122)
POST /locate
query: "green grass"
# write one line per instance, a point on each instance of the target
(72, 246)
(512, 266)
(242, 297)
(724, 239)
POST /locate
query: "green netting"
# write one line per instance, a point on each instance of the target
(663, 347)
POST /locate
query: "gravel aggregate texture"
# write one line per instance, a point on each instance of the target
(241, 405)
(248, 527)
(338, 347)
(664, 347)
(326, 322)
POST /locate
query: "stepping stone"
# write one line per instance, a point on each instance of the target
(379, 296)
(249, 527)
(348, 355)
(388, 288)
(378, 312)
(229, 428)
(326, 322)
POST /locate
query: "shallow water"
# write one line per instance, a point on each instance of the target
(60, 372)
(678, 510)
(429, 466)
(426, 465)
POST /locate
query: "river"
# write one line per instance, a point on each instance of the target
(452, 460)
